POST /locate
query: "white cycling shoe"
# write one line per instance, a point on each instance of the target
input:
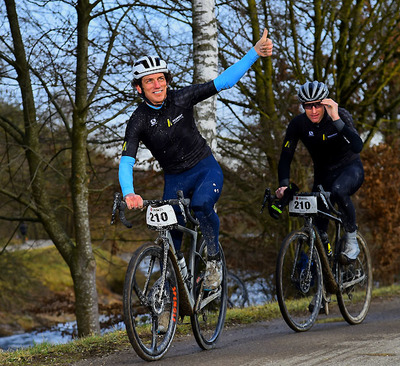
(213, 277)
(351, 248)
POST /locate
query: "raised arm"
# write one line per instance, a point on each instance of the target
(235, 72)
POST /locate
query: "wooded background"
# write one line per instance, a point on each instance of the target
(66, 94)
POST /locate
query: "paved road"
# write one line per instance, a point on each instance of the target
(374, 342)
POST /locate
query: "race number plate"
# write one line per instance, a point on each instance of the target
(303, 205)
(161, 217)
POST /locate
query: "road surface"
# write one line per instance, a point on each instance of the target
(374, 342)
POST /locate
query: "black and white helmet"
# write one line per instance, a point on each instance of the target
(148, 65)
(311, 91)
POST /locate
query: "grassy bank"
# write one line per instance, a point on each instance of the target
(96, 346)
(37, 290)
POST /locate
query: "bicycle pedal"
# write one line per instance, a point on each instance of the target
(343, 260)
(212, 291)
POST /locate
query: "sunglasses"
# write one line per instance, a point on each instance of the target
(310, 106)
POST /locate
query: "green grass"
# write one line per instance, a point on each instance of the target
(38, 291)
(96, 346)
(66, 354)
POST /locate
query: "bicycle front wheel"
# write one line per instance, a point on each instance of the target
(209, 317)
(150, 304)
(299, 282)
(355, 281)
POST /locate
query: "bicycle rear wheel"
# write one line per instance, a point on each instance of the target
(298, 283)
(150, 309)
(355, 280)
(238, 295)
(208, 320)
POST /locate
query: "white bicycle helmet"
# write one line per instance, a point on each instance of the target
(311, 91)
(148, 65)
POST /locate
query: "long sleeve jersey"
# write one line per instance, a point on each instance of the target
(330, 144)
(170, 132)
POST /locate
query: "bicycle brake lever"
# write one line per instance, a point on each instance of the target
(116, 202)
(267, 197)
(122, 207)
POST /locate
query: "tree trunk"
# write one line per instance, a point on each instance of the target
(79, 257)
(83, 268)
(205, 58)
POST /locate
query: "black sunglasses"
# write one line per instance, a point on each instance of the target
(310, 106)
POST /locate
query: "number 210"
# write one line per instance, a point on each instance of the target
(302, 205)
(158, 217)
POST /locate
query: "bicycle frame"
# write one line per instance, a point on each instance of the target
(330, 274)
(187, 296)
(188, 302)
(305, 276)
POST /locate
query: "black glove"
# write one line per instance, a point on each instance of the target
(275, 208)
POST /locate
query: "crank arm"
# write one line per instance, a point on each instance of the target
(353, 282)
(207, 300)
(198, 301)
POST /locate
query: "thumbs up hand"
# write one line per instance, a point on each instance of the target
(264, 46)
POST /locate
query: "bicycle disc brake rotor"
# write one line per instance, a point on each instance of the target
(157, 302)
(305, 281)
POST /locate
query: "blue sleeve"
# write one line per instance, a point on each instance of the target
(125, 174)
(233, 73)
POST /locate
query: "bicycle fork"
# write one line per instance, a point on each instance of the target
(157, 297)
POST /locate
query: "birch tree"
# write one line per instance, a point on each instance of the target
(205, 62)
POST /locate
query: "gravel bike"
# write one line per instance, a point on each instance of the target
(159, 287)
(306, 275)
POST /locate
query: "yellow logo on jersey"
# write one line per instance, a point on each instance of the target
(169, 123)
(287, 144)
(323, 137)
(124, 146)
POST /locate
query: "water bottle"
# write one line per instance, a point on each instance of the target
(182, 265)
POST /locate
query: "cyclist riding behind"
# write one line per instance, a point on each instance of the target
(328, 133)
(164, 122)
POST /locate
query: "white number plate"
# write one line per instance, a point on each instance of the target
(161, 216)
(303, 205)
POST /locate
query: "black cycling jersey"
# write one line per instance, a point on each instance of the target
(170, 133)
(329, 147)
